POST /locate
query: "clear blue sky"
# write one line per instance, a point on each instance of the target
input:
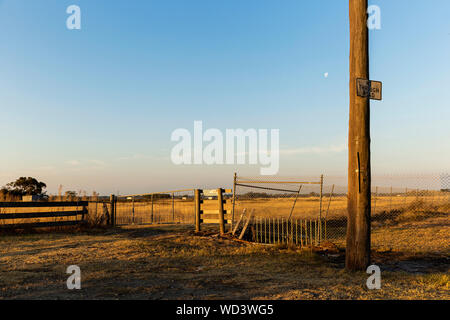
(94, 109)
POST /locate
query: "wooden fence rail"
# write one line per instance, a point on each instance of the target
(77, 210)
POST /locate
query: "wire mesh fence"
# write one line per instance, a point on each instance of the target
(280, 197)
(156, 208)
(408, 212)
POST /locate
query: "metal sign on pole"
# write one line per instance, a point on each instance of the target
(369, 89)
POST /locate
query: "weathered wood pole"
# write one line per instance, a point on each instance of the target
(197, 202)
(112, 200)
(359, 171)
(133, 211)
(221, 214)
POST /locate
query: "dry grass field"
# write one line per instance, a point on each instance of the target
(171, 262)
(411, 246)
(305, 207)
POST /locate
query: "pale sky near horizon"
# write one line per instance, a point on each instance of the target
(94, 109)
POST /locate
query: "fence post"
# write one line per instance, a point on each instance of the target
(292, 232)
(315, 232)
(278, 228)
(329, 201)
(319, 230)
(133, 211)
(375, 201)
(270, 230)
(173, 207)
(301, 234)
(221, 217)
(85, 211)
(305, 241)
(260, 229)
(321, 195)
(296, 232)
(256, 230)
(113, 211)
(234, 200)
(197, 209)
(151, 217)
(390, 201)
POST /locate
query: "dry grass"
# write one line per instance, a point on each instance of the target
(170, 262)
(410, 242)
(305, 207)
(182, 211)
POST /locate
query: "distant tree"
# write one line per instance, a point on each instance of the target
(25, 186)
(251, 195)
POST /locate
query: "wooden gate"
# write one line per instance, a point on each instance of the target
(206, 215)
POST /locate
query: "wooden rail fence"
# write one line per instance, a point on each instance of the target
(77, 210)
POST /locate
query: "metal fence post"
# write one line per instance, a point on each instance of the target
(319, 230)
(173, 207)
(321, 196)
(301, 234)
(234, 200)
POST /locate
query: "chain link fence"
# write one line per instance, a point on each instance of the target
(156, 208)
(409, 213)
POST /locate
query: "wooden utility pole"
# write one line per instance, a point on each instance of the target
(359, 173)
